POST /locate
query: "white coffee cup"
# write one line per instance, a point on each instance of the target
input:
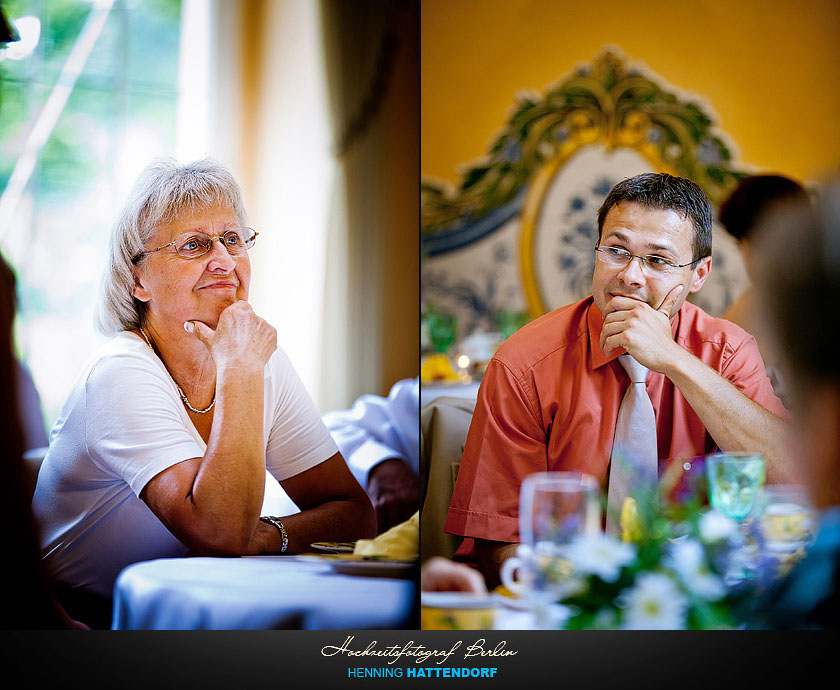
(554, 508)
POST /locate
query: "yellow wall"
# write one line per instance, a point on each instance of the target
(770, 69)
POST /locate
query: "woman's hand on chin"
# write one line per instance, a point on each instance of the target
(241, 340)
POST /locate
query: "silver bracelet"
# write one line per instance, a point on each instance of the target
(271, 520)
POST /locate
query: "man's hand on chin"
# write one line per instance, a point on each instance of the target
(644, 332)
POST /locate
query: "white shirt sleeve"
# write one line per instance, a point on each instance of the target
(377, 429)
(135, 425)
(297, 438)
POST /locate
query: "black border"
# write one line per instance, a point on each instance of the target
(294, 659)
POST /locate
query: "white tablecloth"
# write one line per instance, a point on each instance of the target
(255, 593)
(429, 392)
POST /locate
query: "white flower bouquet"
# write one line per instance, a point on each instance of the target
(666, 574)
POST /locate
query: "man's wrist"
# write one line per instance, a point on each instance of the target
(686, 371)
(678, 363)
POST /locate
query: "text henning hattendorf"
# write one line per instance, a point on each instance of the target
(419, 651)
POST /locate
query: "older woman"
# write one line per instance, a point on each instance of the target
(163, 445)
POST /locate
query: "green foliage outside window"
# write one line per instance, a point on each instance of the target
(120, 113)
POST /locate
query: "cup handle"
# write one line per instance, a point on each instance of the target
(508, 568)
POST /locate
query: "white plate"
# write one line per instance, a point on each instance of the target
(513, 603)
(334, 546)
(457, 600)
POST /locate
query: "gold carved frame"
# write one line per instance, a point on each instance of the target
(607, 103)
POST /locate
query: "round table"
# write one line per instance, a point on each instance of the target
(256, 593)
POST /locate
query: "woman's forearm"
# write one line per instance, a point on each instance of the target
(229, 486)
(334, 507)
(346, 519)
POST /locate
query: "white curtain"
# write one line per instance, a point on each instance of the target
(372, 296)
(290, 80)
(269, 124)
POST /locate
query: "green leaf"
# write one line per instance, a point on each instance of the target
(474, 176)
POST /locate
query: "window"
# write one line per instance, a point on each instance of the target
(83, 109)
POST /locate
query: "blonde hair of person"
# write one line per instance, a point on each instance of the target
(164, 191)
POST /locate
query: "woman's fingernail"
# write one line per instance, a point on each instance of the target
(188, 326)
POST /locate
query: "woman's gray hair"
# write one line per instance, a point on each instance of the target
(165, 191)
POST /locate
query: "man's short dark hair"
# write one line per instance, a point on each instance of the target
(662, 191)
(799, 275)
(753, 196)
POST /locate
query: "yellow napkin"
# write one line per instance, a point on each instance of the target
(437, 368)
(400, 543)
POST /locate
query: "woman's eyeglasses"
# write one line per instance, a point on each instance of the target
(192, 245)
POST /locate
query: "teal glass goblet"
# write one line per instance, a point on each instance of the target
(735, 484)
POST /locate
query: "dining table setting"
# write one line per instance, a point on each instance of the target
(454, 367)
(367, 584)
(698, 550)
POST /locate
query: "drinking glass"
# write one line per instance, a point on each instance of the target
(788, 519)
(554, 507)
(735, 484)
(442, 330)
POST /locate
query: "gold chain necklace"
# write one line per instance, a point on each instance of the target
(180, 392)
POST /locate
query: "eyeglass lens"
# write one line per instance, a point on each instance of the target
(620, 257)
(195, 245)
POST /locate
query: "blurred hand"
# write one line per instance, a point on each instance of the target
(394, 490)
(241, 339)
(442, 575)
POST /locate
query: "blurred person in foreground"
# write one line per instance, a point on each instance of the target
(29, 604)
(741, 214)
(439, 574)
(555, 393)
(380, 439)
(799, 274)
(163, 445)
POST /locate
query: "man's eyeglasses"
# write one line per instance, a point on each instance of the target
(614, 256)
(192, 245)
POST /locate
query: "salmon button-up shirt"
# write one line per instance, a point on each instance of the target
(549, 402)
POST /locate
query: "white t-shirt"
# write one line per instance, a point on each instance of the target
(123, 424)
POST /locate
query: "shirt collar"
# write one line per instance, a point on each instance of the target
(595, 323)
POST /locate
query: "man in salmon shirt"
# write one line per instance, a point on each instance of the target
(550, 398)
